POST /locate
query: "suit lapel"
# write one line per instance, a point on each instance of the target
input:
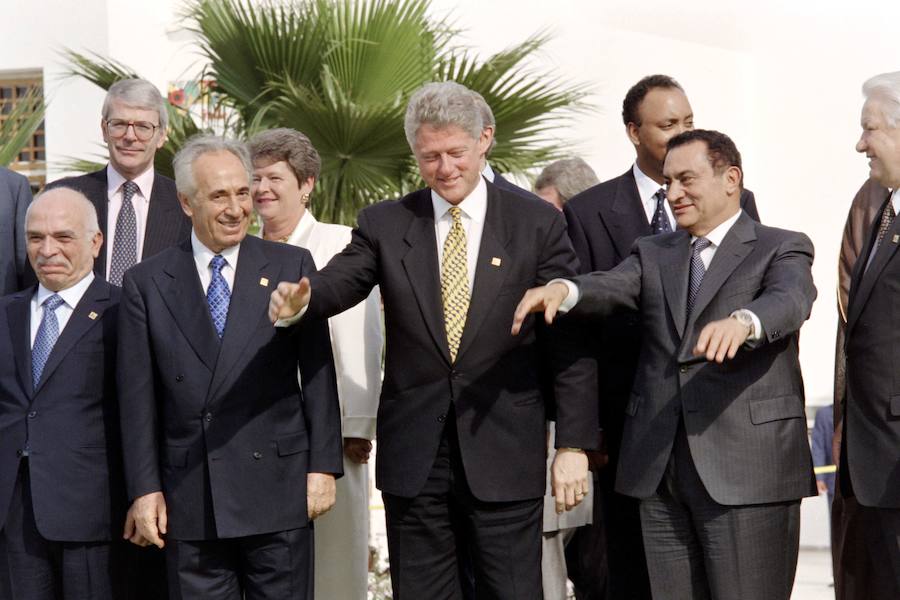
(626, 218)
(489, 277)
(864, 279)
(180, 289)
(735, 247)
(248, 306)
(18, 317)
(162, 224)
(87, 313)
(674, 268)
(99, 197)
(422, 270)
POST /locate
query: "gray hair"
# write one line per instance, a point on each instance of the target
(139, 93)
(488, 120)
(197, 146)
(91, 223)
(885, 87)
(444, 104)
(570, 176)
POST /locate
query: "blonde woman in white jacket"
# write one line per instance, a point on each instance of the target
(286, 167)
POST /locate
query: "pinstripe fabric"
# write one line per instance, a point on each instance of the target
(455, 282)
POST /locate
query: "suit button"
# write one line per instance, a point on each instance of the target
(257, 455)
(179, 378)
(208, 417)
(454, 374)
(442, 418)
(19, 453)
(776, 334)
(32, 414)
(684, 369)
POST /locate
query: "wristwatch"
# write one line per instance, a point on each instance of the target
(743, 317)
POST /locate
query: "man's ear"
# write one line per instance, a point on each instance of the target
(733, 178)
(185, 204)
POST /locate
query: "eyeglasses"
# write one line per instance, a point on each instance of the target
(143, 130)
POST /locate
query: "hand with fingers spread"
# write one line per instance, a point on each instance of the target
(146, 521)
(288, 299)
(569, 478)
(545, 298)
(721, 339)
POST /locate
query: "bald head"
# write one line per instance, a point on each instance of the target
(63, 237)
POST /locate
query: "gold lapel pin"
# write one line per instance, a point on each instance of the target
(264, 281)
(495, 261)
(896, 238)
(92, 315)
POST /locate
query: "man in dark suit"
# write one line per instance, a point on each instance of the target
(460, 428)
(138, 208)
(869, 467)
(715, 441)
(62, 498)
(604, 221)
(226, 459)
(15, 196)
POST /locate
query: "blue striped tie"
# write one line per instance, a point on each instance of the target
(45, 339)
(218, 295)
(698, 270)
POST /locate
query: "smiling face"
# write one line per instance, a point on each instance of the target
(128, 155)
(450, 159)
(880, 143)
(663, 113)
(276, 192)
(61, 245)
(220, 209)
(701, 198)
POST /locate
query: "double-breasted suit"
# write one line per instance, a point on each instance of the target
(167, 224)
(738, 428)
(222, 428)
(66, 428)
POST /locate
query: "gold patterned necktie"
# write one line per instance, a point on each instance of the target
(455, 282)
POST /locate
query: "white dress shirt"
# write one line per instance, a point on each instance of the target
(71, 297)
(474, 209)
(647, 188)
(140, 201)
(203, 256)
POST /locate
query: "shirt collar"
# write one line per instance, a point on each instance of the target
(488, 172)
(144, 181)
(301, 233)
(718, 234)
(473, 206)
(203, 255)
(895, 199)
(71, 295)
(645, 185)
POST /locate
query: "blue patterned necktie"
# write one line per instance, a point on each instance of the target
(218, 295)
(698, 270)
(124, 251)
(660, 222)
(45, 339)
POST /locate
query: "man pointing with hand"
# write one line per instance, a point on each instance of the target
(715, 434)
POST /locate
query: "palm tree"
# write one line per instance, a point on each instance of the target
(341, 71)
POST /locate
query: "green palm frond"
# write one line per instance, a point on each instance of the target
(99, 70)
(24, 118)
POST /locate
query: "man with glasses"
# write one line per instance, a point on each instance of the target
(139, 216)
(138, 208)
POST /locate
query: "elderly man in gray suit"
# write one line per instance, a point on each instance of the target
(715, 433)
(15, 196)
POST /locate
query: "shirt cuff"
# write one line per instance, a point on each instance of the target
(287, 322)
(571, 298)
(757, 332)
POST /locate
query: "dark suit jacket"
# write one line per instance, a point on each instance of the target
(505, 184)
(70, 422)
(493, 384)
(872, 409)
(604, 222)
(222, 427)
(745, 418)
(167, 224)
(15, 196)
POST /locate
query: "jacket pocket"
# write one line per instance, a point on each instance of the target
(175, 457)
(292, 444)
(775, 409)
(634, 403)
